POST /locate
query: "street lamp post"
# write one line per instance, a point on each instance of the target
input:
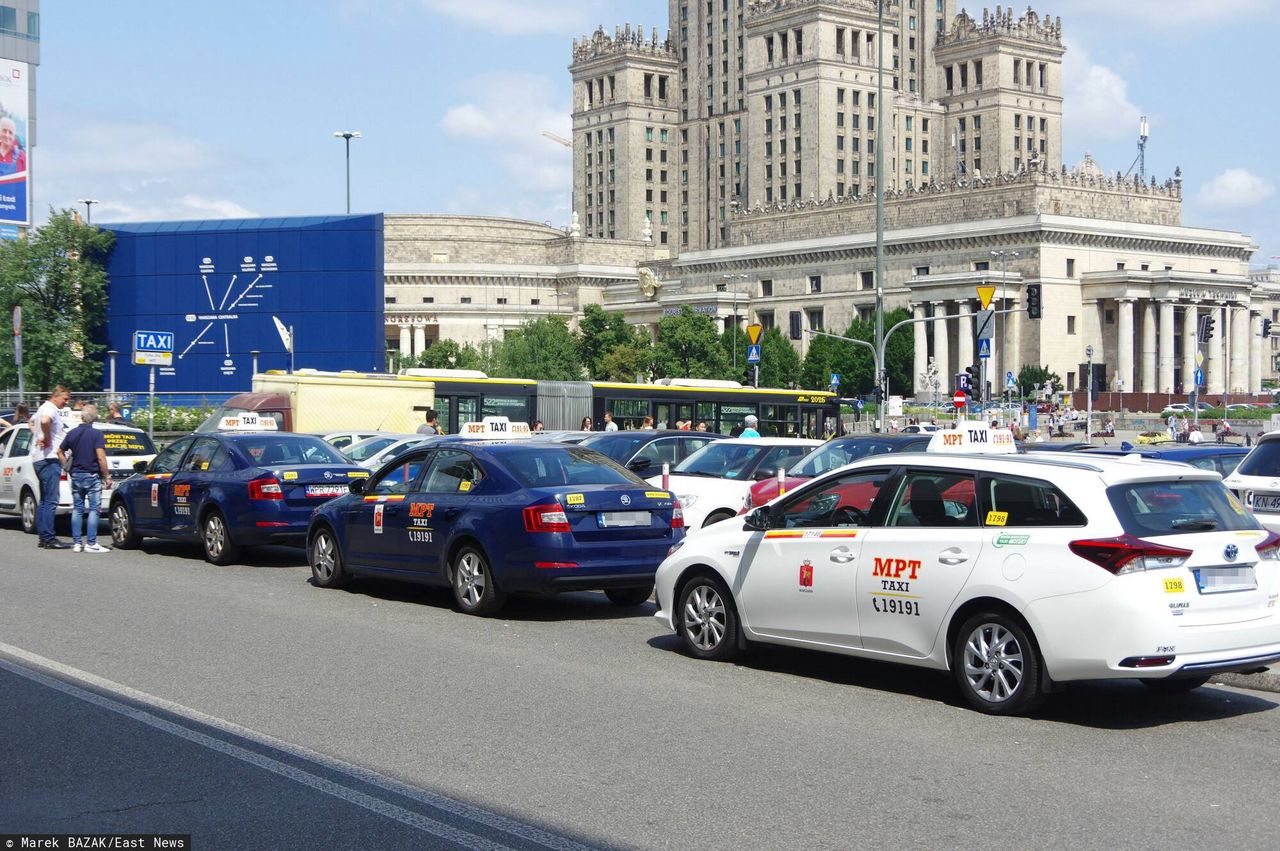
(88, 209)
(1003, 257)
(347, 136)
(734, 338)
(881, 376)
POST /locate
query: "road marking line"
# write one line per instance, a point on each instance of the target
(24, 660)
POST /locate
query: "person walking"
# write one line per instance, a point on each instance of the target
(49, 432)
(89, 475)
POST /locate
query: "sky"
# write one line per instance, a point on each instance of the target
(166, 110)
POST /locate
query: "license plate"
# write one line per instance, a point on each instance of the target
(614, 519)
(1216, 580)
(326, 490)
(1266, 503)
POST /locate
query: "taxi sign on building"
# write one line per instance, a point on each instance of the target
(495, 428)
(973, 437)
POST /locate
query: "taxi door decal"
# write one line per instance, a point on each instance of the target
(377, 518)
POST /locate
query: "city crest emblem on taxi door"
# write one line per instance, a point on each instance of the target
(806, 575)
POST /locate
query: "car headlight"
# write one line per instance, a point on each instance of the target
(688, 499)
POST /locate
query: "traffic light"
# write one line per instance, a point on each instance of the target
(973, 374)
(1033, 301)
(1266, 328)
(1205, 332)
(878, 393)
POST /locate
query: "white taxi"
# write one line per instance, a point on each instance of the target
(20, 488)
(1257, 480)
(1017, 573)
(713, 483)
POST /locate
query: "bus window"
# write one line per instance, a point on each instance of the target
(779, 420)
(628, 413)
(706, 414)
(732, 415)
(514, 408)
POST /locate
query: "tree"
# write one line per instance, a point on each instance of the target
(825, 356)
(1031, 379)
(779, 360)
(57, 275)
(599, 332)
(688, 347)
(447, 354)
(542, 349)
(736, 367)
(628, 362)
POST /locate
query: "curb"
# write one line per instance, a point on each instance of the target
(1266, 681)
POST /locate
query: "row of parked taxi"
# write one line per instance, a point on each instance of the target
(1017, 572)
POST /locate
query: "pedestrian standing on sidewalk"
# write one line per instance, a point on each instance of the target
(89, 475)
(49, 431)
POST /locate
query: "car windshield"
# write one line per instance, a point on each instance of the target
(122, 444)
(1178, 507)
(618, 446)
(1264, 460)
(722, 459)
(569, 466)
(366, 449)
(272, 449)
(832, 455)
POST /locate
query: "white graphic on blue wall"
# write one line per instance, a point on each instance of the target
(224, 301)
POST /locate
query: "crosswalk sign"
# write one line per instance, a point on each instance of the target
(753, 353)
(984, 348)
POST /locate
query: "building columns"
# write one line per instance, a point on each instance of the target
(419, 339)
(919, 332)
(1190, 346)
(405, 344)
(1239, 382)
(964, 335)
(1255, 352)
(1124, 346)
(1167, 349)
(941, 343)
(1214, 379)
(1148, 347)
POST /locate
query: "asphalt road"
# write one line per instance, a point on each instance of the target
(152, 692)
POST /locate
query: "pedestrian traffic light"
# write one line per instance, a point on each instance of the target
(1033, 301)
(1266, 327)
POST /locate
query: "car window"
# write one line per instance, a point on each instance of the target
(567, 466)
(721, 458)
(934, 498)
(620, 446)
(1008, 501)
(1178, 507)
(270, 450)
(342, 441)
(401, 478)
(168, 460)
(1207, 463)
(842, 501)
(1227, 463)
(664, 449)
(366, 449)
(200, 458)
(452, 471)
(21, 446)
(779, 456)
(690, 445)
(1264, 460)
(399, 449)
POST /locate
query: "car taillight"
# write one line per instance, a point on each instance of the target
(266, 488)
(1269, 549)
(677, 515)
(1129, 554)
(546, 518)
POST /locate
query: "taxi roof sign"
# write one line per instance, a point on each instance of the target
(973, 437)
(495, 428)
(247, 422)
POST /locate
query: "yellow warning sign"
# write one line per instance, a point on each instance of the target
(753, 332)
(985, 293)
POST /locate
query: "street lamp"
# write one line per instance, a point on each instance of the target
(348, 135)
(735, 278)
(88, 209)
(1003, 257)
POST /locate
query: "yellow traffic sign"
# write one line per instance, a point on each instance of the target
(985, 293)
(753, 332)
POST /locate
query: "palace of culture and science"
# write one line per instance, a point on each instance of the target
(729, 166)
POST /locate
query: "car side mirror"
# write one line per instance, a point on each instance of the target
(757, 520)
(140, 466)
(761, 475)
(356, 486)
(639, 464)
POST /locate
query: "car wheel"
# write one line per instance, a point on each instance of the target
(1178, 686)
(122, 534)
(629, 596)
(473, 585)
(326, 559)
(216, 537)
(707, 620)
(996, 665)
(29, 507)
(716, 518)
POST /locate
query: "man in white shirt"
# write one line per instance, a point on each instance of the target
(609, 424)
(49, 431)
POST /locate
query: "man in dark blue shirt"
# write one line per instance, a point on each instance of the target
(89, 474)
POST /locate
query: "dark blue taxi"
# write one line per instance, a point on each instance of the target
(489, 519)
(230, 490)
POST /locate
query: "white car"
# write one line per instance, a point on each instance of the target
(920, 428)
(1257, 480)
(340, 440)
(395, 445)
(20, 488)
(1017, 573)
(713, 483)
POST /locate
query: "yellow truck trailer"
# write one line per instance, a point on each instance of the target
(321, 402)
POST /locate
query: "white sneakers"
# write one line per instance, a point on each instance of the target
(90, 548)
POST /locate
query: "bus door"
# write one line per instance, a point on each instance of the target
(662, 415)
(467, 409)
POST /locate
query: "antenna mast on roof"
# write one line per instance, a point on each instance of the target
(1141, 160)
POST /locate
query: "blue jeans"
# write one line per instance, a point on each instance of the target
(85, 487)
(49, 472)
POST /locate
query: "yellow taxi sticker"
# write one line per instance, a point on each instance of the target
(1173, 586)
(290, 475)
(1235, 504)
(657, 495)
(575, 499)
(997, 518)
(464, 486)
(204, 465)
(357, 474)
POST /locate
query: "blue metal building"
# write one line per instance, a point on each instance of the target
(217, 284)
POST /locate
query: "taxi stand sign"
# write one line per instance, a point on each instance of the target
(973, 437)
(153, 348)
(495, 428)
(247, 421)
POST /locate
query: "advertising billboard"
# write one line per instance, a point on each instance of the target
(211, 293)
(15, 152)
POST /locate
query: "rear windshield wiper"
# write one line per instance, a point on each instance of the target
(1200, 524)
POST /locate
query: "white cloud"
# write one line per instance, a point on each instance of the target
(1235, 188)
(1096, 102)
(516, 17)
(1163, 14)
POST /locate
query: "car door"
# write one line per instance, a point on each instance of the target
(445, 491)
(188, 486)
(798, 579)
(374, 536)
(9, 467)
(150, 493)
(916, 563)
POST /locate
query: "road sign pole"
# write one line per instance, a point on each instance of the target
(1088, 414)
(151, 392)
(17, 350)
(755, 381)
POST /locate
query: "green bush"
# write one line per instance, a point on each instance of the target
(171, 419)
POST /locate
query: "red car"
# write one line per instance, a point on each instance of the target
(835, 453)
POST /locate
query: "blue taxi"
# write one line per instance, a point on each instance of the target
(489, 513)
(228, 490)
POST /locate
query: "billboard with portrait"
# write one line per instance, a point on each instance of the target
(15, 151)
